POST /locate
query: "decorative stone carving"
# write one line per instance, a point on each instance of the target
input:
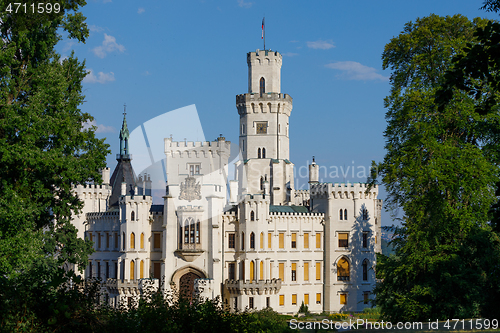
(190, 189)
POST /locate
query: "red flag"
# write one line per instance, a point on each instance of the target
(263, 28)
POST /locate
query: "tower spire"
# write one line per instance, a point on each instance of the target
(124, 136)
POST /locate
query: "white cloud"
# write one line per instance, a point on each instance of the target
(95, 28)
(289, 54)
(100, 78)
(244, 4)
(140, 10)
(351, 70)
(321, 44)
(109, 44)
(100, 128)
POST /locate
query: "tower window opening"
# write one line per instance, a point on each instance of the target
(252, 240)
(262, 86)
(341, 215)
(263, 152)
(258, 153)
(132, 216)
(345, 214)
(252, 216)
(261, 183)
(365, 270)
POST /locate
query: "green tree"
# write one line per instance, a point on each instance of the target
(440, 168)
(44, 148)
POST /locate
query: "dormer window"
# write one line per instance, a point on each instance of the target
(262, 86)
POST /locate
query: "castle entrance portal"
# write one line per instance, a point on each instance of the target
(185, 281)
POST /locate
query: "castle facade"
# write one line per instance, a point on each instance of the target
(254, 241)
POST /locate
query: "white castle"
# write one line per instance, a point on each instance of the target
(261, 245)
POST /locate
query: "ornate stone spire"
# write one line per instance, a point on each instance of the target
(124, 136)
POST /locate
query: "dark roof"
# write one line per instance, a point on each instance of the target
(123, 173)
(156, 208)
(288, 209)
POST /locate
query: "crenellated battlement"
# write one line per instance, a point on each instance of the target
(197, 148)
(344, 190)
(311, 214)
(260, 57)
(269, 102)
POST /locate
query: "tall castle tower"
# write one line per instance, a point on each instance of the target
(264, 122)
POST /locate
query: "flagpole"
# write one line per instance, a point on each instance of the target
(264, 31)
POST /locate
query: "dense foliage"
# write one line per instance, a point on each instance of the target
(441, 168)
(44, 151)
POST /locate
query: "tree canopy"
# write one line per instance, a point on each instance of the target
(44, 148)
(440, 168)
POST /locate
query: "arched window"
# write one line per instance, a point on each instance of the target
(365, 270)
(242, 241)
(365, 214)
(258, 153)
(263, 152)
(343, 273)
(252, 240)
(132, 270)
(141, 270)
(345, 214)
(252, 216)
(261, 270)
(341, 215)
(262, 86)
(252, 271)
(142, 240)
(132, 241)
(262, 240)
(132, 216)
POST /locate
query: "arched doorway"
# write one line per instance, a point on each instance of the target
(184, 281)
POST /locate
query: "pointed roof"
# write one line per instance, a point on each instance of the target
(123, 171)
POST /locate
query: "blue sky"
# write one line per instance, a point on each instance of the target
(158, 56)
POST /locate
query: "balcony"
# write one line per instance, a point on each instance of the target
(342, 278)
(255, 287)
(189, 251)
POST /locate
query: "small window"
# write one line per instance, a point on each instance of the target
(132, 216)
(306, 299)
(345, 214)
(268, 302)
(252, 271)
(252, 240)
(269, 239)
(294, 272)
(98, 240)
(116, 240)
(365, 239)
(294, 240)
(132, 241)
(318, 298)
(343, 239)
(197, 232)
(343, 299)
(306, 271)
(282, 240)
(107, 240)
(242, 241)
(318, 240)
(250, 302)
(157, 240)
(259, 153)
(365, 214)
(142, 240)
(282, 300)
(262, 86)
(252, 216)
(343, 273)
(318, 271)
(366, 297)
(132, 270)
(262, 241)
(231, 241)
(232, 271)
(263, 152)
(261, 270)
(365, 270)
(294, 299)
(123, 237)
(282, 271)
(306, 240)
(341, 214)
(141, 270)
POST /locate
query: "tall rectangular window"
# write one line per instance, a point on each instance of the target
(294, 240)
(294, 299)
(343, 299)
(365, 239)
(294, 271)
(343, 239)
(157, 270)
(116, 240)
(318, 240)
(306, 299)
(306, 271)
(282, 300)
(232, 244)
(98, 240)
(318, 298)
(306, 240)
(107, 240)
(269, 238)
(270, 270)
(366, 299)
(282, 271)
(262, 240)
(318, 271)
(250, 302)
(231, 270)
(282, 240)
(157, 240)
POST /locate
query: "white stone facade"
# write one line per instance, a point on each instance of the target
(263, 244)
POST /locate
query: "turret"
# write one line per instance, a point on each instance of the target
(313, 172)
